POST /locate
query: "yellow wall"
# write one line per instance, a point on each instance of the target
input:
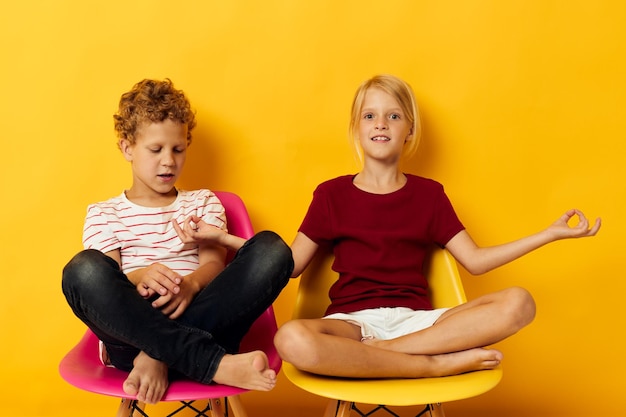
(524, 115)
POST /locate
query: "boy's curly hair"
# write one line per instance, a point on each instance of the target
(152, 101)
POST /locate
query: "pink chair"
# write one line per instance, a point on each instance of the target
(82, 368)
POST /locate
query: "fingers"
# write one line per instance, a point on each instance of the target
(171, 306)
(162, 280)
(179, 231)
(596, 227)
(189, 232)
(161, 303)
(144, 290)
(583, 229)
(186, 232)
(583, 223)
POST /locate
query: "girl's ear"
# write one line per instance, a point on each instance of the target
(409, 136)
(127, 149)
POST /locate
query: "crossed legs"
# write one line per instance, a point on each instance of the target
(203, 343)
(454, 344)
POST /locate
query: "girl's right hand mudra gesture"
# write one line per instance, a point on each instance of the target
(562, 230)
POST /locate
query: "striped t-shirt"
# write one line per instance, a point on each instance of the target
(145, 235)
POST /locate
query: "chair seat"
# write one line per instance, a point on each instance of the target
(82, 368)
(396, 392)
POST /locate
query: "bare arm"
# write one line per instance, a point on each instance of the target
(204, 233)
(303, 250)
(478, 260)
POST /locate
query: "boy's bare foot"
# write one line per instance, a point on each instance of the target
(246, 370)
(465, 361)
(147, 380)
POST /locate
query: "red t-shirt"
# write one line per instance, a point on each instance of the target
(380, 241)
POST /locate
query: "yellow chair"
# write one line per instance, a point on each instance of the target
(446, 291)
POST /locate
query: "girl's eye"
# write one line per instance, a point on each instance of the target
(155, 150)
(368, 116)
(394, 116)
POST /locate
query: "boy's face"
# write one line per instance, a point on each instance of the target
(157, 158)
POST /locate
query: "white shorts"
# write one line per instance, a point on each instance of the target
(389, 323)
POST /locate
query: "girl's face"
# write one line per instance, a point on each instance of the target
(157, 158)
(383, 127)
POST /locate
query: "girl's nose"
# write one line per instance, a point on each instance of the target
(381, 124)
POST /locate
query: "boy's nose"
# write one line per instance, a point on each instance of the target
(168, 160)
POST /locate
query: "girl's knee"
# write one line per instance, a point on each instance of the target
(522, 305)
(293, 342)
(284, 338)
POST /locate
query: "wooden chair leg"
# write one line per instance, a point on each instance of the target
(336, 408)
(126, 407)
(331, 408)
(436, 410)
(237, 406)
(217, 407)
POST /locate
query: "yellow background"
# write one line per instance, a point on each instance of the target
(523, 106)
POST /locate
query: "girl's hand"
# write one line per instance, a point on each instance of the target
(200, 233)
(562, 230)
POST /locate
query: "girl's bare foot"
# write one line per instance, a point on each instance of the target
(246, 370)
(147, 380)
(371, 341)
(465, 361)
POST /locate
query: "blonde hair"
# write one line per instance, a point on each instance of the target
(403, 93)
(152, 101)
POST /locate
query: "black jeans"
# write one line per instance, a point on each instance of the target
(213, 324)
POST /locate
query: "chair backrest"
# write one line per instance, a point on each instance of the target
(239, 223)
(446, 288)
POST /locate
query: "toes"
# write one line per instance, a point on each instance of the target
(130, 387)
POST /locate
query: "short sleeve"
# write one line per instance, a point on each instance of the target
(316, 224)
(445, 223)
(97, 232)
(211, 210)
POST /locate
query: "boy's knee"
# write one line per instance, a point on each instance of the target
(82, 269)
(271, 247)
(272, 242)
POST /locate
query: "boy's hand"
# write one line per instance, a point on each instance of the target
(562, 230)
(156, 279)
(174, 305)
(201, 233)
